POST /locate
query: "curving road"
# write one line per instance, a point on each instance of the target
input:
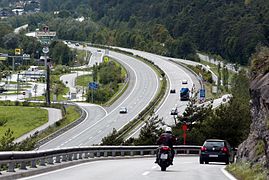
(186, 168)
(175, 74)
(100, 122)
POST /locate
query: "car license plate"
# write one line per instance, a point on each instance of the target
(213, 155)
(164, 156)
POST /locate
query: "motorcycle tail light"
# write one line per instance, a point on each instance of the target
(166, 148)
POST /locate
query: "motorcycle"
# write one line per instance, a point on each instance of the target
(164, 157)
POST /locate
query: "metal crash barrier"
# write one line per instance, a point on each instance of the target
(19, 162)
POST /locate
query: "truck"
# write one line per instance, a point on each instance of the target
(184, 94)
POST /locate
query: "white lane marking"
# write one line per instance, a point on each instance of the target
(113, 109)
(136, 83)
(154, 167)
(58, 170)
(145, 173)
(90, 138)
(170, 85)
(227, 174)
(87, 114)
(99, 131)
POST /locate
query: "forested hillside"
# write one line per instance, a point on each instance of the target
(231, 28)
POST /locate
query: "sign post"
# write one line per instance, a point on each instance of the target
(202, 95)
(93, 86)
(184, 128)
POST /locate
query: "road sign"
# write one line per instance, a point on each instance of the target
(214, 89)
(26, 56)
(17, 51)
(45, 34)
(202, 93)
(93, 85)
(106, 59)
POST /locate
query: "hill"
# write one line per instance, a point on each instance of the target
(231, 28)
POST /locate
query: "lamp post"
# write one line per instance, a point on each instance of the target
(45, 50)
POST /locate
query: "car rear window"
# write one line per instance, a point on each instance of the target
(214, 143)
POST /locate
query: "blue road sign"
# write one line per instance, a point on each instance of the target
(93, 85)
(202, 93)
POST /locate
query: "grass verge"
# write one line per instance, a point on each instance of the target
(71, 115)
(244, 171)
(85, 79)
(21, 119)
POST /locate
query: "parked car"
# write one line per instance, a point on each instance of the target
(172, 91)
(174, 111)
(123, 110)
(77, 44)
(216, 150)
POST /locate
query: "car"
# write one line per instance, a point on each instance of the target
(184, 81)
(123, 110)
(216, 150)
(174, 111)
(172, 91)
(99, 50)
(77, 44)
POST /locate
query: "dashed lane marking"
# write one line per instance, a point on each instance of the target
(145, 173)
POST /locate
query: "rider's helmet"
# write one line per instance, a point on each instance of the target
(168, 130)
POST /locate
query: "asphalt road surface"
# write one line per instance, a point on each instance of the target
(100, 122)
(185, 168)
(175, 74)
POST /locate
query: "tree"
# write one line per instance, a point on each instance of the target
(150, 132)
(6, 141)
(112, 139)
(11, 41)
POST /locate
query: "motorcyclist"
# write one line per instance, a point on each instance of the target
(167, 139)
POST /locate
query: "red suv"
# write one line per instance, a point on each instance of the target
(216, 150)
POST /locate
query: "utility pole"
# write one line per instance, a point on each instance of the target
(46, 51)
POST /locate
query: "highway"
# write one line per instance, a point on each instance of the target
(175, 74)
(185, 167)
(100, 122)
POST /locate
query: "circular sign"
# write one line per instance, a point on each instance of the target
(45, 50)
(106, 59)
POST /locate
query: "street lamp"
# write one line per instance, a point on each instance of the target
(45, 50)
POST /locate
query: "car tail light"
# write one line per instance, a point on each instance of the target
(224, 149)
(166, 148)
(203, 148)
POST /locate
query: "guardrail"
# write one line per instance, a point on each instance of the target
(22, 160)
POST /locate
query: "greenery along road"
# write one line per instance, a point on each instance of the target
(110, 76)
(21, 119)
(231, 29)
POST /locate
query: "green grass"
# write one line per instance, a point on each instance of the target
(243, 171)
(208, 88)
(122, 88)
(84, 80)
(214, 68)
(21, 119)
(71, 115)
